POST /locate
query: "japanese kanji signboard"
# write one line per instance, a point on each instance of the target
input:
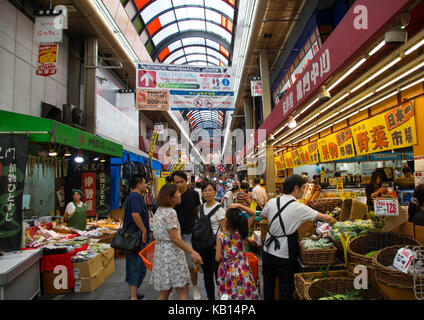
(103, 189)
(13, 157)
(386, 131)
(309, 153)
(336, 146)
(278, 163)
(89, 189)
(47, 60)
(153, 100)
(288, 160)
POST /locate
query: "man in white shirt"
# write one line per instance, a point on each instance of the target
(281, 243)
(259, 194)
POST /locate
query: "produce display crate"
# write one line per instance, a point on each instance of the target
(357, 248)
(317, 256)
(353, 209)
(392, 278)
(302, 281)
(326, 204)
(339, 285)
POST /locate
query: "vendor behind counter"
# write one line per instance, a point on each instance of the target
(374, 189)
(75, 214)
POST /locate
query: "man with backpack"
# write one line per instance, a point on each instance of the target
(285, 215)
(187, 212)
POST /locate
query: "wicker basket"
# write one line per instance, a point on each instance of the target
(352, 210)
(357, 248)
(317, 256)
(392, 278)
(302, 281)
(319, 288)
(324, 205)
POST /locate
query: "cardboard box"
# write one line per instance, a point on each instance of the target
(90, 284)
(109, 269)
(48, 284)
(88, 269)
(107, 256)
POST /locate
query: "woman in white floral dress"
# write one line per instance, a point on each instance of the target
(170, 268)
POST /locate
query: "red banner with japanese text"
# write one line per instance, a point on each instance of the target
(89, 190)
(336, 146)
(388, 130)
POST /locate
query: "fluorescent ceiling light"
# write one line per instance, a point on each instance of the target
(377, 74)
(378, 47)
(401, 76)
(357, 101)
(310, 105)
(333, 103)
(412, 84)
(310, 119)
(356, 66)
(326, 127)
(378, 101)
(419, 44)
(326, 119)
(348, 116)
(279, 130)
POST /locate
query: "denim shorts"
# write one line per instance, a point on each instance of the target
(135, 269)
(186, 237)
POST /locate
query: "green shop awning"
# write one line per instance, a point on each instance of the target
(46, 130)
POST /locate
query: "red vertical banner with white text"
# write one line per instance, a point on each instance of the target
(89, 190)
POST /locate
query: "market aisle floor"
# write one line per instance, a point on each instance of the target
(115, 287)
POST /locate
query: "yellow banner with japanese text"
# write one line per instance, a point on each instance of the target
(389, 130)
(308, 153)
(288, 160)
(278, 163)
(336, 146)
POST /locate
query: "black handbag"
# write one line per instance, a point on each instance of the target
(127, 241)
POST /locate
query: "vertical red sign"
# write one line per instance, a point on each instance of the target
(89, 189)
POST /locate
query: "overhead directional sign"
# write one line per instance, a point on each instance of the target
(184, 100)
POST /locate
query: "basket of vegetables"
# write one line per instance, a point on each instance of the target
(324, 205)
(302, 281)
(315, 251)
(387, 274)
(352, 229)
(362, 249)
(341, 288)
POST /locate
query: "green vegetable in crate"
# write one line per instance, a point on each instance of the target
(311, 244)
(379, 221)
(354, 294)
(352, 228)
(371, 254)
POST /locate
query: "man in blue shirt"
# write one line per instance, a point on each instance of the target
(136, 218)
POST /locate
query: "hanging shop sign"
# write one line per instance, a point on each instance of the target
(386, 131)
(339, 184)
(256, 88)
(188, 100)
(288, 160)
(309, 153)
(46, 31)
(103, 189)
(176, 165)
(386, 207)
(278, 163)
(167, 77)
(336, 146)
(47, 60)
(89, 190)
(296, 158)
(152, 148)
(152, 100)
(13, 158)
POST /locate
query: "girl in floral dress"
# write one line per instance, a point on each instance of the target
(235, 278)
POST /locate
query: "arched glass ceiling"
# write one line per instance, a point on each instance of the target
(205, 119)
(180, 28)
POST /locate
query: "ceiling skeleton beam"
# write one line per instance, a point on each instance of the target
(194, 45)
(190, 34)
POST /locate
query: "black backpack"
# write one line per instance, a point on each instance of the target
(202, 237)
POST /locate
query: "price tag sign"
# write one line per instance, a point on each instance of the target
(339, 185)
(322, 176)
(386, 207)
(403, 259)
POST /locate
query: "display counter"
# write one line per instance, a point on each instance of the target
(20, 275)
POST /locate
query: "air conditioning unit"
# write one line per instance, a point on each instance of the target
(73, 116)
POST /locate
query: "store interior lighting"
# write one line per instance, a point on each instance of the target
(419, 44)
(67, 153)
(79, 157)
(356, 66)
(403, 75)
(378, 47)
(292, 122)
(102, 159)
(96, 159)
(52, 153)
(357, 101)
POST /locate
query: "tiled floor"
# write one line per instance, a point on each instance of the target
(115, 287)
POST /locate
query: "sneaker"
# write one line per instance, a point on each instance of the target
(196, 293)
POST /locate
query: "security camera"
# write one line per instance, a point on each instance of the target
(396, 35)
(324, 95)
